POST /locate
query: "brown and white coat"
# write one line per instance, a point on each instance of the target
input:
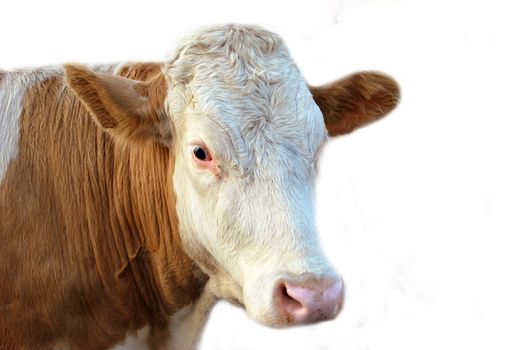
(131, 192)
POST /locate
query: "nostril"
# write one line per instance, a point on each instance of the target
(298, 303)
(311, 300)
(288, 301)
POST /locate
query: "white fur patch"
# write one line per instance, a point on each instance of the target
(187, 324)
(13, 86)
(237, 90)
(10, 108)
(135, 340)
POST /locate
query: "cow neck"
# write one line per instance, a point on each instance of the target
(101, 215)
(148, 203)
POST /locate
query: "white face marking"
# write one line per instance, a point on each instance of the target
(253, 222)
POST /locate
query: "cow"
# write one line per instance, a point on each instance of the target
(136, 195)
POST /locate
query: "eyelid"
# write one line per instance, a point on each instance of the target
(208, 157)
(203, 165)
(197, 142)
(193, 143)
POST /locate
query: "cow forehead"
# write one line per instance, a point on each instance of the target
(243, 79)
(281, 118)
(263, 121)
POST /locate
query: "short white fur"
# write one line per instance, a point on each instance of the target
(13, 86)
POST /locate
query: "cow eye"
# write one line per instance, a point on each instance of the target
(201, 154)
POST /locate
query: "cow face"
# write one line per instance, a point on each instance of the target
(246, 132)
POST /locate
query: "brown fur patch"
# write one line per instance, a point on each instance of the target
(90, 247)
(356, 100)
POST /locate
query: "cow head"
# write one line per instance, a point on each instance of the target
(246, 132)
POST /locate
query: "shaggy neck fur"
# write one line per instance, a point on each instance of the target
(98, 222)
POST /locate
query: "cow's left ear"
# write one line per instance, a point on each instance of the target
(356, 100)
(128, 109)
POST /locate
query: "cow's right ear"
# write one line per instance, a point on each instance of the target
(128, 109)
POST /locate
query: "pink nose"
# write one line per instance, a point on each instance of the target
(309, 300)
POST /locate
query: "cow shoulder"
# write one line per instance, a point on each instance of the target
(13, 90)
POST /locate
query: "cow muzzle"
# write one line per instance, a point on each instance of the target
(308, 299)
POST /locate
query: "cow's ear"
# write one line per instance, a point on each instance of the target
(127, 109)
(356, 100)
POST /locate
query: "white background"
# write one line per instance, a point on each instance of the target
(422, 213)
